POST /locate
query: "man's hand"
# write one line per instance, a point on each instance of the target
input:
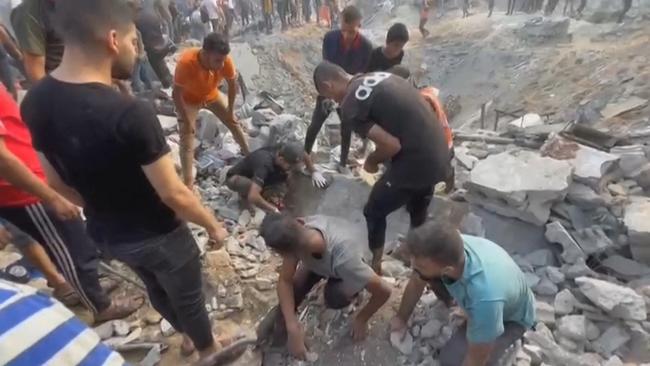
(359, 329)
(217, 235)
(370, 167)
(296, 343)
(64, 209)
(5, 237)
(398, 325)
(318, 180)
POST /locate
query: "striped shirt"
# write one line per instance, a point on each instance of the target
(38, 330)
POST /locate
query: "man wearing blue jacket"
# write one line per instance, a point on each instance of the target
(349, 49)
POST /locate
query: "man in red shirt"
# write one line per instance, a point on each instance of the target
(27, 202)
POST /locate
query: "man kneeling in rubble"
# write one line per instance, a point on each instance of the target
(484, 282)
(315, 248)
(269, 166)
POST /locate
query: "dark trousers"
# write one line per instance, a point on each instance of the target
(170, 268)
(386, 198)
(268, 23)
(490, 7)
(550, 6)
(454, 351)
(627, 4)
(70, 248)
(318, 117)
(306, 10)
(140, 79)
(159, 66)
(511, 7)
(283, 12)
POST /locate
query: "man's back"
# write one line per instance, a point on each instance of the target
(396, 106)
(98, 140)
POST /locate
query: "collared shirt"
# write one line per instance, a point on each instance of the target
(492, 291)
(38, 330)
(353, 59)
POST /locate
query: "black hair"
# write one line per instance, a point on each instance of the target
(400, 71)
(85, 22)
(327, 71)
(397, 33)
(436, 240)
(280, 232)
(351, 14)
(216, 43)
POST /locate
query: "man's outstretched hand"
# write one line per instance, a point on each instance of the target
(319, 180)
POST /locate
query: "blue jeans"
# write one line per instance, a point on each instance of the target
(140, 76)
(170, 268)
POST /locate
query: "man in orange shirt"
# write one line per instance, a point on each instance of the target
(198, 74)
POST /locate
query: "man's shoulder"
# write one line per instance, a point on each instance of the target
(332, 35)
(366, 43)
(188, 58)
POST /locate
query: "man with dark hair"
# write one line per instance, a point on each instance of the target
(198, 74)
(350, 50)
(266, 167)
(315, 248)
(390, 111)
(106, 152)
(37, 37)
(149, 24)
(483, 280)
(383, 58)
(425, 7)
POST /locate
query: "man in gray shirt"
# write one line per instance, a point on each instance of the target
(315, 248)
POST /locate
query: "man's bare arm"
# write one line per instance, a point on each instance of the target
(179, 103)
(9, 44)
(411, 296)
(380, 292)
(478, 354)
(386, 144)
(255, 197)
(162, 176)
(232, 94)
(34, 66)
(54, 180)
(285, 292)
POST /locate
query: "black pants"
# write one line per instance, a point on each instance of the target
(627, 4)
(283, 12)
(386, 198)
(318, 117)
(157, 62)
(550, 6)
(170, 268)
(454, 351)
(70, 248)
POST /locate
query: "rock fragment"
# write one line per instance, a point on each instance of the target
(620, 302)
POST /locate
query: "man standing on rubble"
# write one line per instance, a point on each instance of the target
(107, 153)
(266, 167)
(390, 111)
(312, 249)
(198, 75)
(482, 279)
(350, 50)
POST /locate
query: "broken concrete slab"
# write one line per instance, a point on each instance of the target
(625, 268)
(617, 108)
(585, 197)
(564, 302)
(573, 327)
(632, 158)
(637, 221)
(571, 251)
(526, 121)
(520, 184)
(614, 338)
(545, 313)
(546, 288)
(546, 28)
(462, 156)
(593, 240)
(620, 302)
(541, 258)
(472, 224)
(591, 166)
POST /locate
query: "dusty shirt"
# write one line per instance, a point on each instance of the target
(260, 167)
(344, 256)
(396, 106)
(379, 61)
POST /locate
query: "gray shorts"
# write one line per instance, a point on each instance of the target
(18, 238)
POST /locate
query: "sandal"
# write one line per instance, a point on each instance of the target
(120, 309)
(66, 295)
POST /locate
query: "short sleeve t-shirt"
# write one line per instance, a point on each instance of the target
(149, 26)
(201, 85)
(18, 141)
(492, 291)
(344, 258)
(98, 140)
(396, 106)
(32, 22)
(260, 167)
(379, 61)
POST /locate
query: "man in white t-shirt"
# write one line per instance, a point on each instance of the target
(214, 13)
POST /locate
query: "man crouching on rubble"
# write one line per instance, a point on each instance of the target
(482, 279)
(324, 250)
(266, 167)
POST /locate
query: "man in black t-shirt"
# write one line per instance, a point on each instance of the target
(268, 166)
(390, 111)
(385, 57)
(106, 152)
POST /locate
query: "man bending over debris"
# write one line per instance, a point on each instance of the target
(390, 111)
(483, 280)
(108, 150)
(198, 75)
(315, 248)
(385, 57)
(350, 50)
(268, 166)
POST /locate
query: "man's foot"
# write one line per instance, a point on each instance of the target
(377, 256)
(66, 294)
(187, 346)
(120, 309)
